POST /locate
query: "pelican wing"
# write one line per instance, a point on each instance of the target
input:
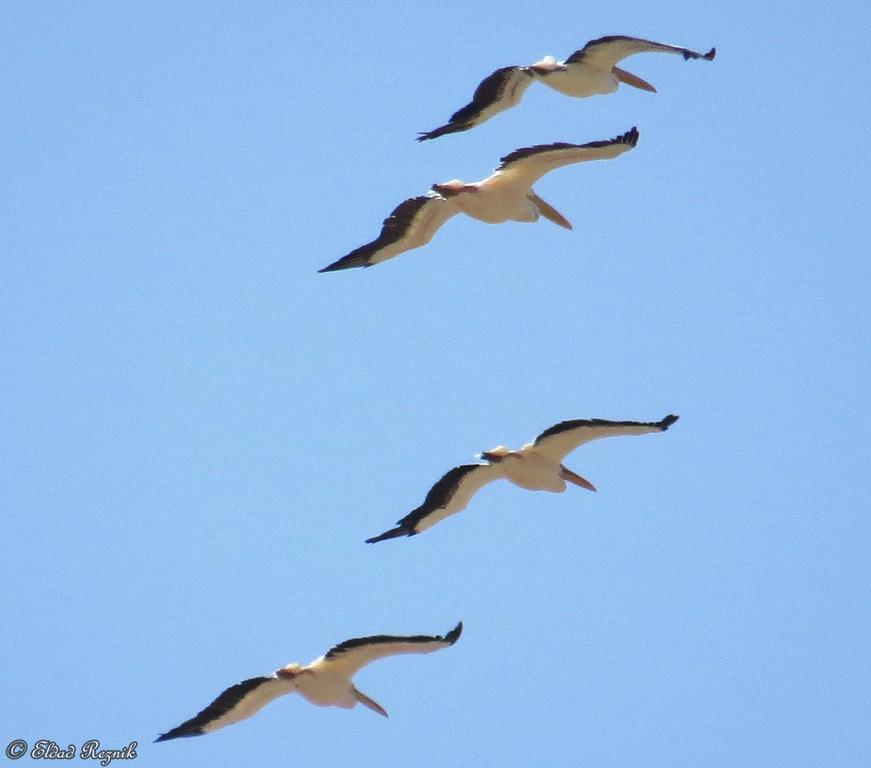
(605, 52)
(561, 439)
(348, 657)
(451, 494)
(410, 225)
(237, 703)
(526, 165)
(496, 93)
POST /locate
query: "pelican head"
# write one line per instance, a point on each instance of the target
(452, 188)
(290, 671)
(495, 455)
(546, 65)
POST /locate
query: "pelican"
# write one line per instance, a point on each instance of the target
(505, 195)
(325, 682)
(589, 71)
(537, 466)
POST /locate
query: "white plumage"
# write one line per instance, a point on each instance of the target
(505, 195)
(326, 682)
(589, 71)
(537, 466)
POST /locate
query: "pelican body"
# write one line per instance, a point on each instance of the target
(326, 682)
(505, 195)
(593, 70)
(533, 470)
(537, 466)
(589, 71)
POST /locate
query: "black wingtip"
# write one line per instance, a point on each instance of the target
(454, 635)
(393, 533)
(343, 263)
(173, 735)
(335, 267)
(434, 134)
(687, 54)
(630, 137)
(668, 421)
(442, 130)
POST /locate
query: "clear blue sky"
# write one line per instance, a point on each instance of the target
(199, 431)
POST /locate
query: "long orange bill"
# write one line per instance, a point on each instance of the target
(367, 702)
(636, 82)
(567, 474)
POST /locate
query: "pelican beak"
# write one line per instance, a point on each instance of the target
(567, 474)
(636, 82)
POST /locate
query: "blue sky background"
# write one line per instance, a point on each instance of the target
(198, 431)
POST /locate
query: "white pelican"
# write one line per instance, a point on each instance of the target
(325, 682)
(537, 466)
(505, 195)
(589, 71)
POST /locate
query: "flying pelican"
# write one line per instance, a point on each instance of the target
(589, 71)
(537, 466)
(325, 682)
(505, 195)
